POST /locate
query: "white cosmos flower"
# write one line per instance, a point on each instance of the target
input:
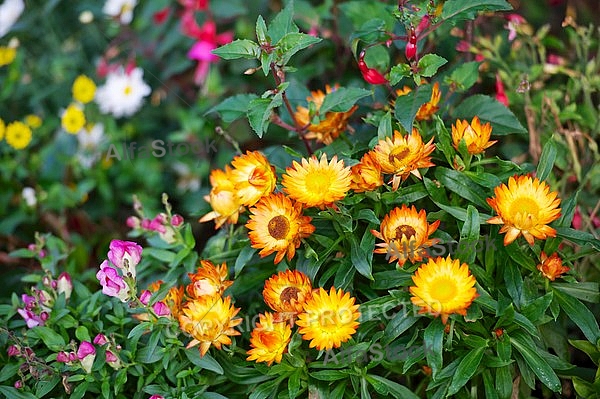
(123, 93)
(10, 11)
(122, 8)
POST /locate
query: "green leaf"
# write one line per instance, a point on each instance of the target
(82, 334)
(399, 72)
(490, 110)
(259, 113)
(408, 105)
(401, 322)
(52, 339)
(578, 237)
(513, 281)
(547, 159)
(234, 107)
(385, 126)
(342, 99)
(586, 291)
(13, 393)
(163, 255)
(466, 369)
(524, 345)
(429, 64)
(206, 362)
(282, 24)
(241, 48)
(244, 257)
(328, 375)
(469, 237)
(588, 348)
(291, 43)
(261, 30)
(387, 387)
(433, 340)
(456, 10)
(504, 381)
(460, 184)
(464, 76)
(391, 279)
(579, 314)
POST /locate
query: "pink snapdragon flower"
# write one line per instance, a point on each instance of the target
(112, 283)
(86, 355)
(64, 285)
(156, 397)
(13, 351)
(100, 339)
(125, 255)
(161, 309)
(145, 297)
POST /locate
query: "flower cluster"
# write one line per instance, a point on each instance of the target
(73, 117)
(123, 256)
(39, 305)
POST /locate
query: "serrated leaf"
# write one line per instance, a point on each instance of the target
(282, 24)
(490, 110)
(399, 72)
(234, 107)
(259, 114)
(456, 10)
(261, 30)
(291, 43)
(464, 76)
(385, 126)
(240, 48)
(408, 105)
(429, 64)
(342, 99)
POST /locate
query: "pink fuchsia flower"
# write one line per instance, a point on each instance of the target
(112, 284)
(370, 75)
(64, 284)
(125, 255)
(500, 93)
(207, 41)
(161, 309)
(86, 355)
(100, 339)
(32, 319)
(199, 5)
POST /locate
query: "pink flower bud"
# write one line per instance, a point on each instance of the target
(176, 220)
(156, 397)
(577, 219)
(133, 222)
(161, 309)
(62, 357)
(64, 285)
(29, 301)
(85, 349)
(13, 351)
(145, 297)
(19, 384)
(100, 339)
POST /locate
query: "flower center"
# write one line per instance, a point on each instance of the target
(128, 90)
(279, 227)
(442, 290)
(525, 209)
(405, 230)
(318, 183)
(288, 294)
(398, 154)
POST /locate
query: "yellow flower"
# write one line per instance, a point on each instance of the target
(525, 206)
(443, 287)
(73, 119)
(316, 182)
(552, 267)
(277, 225)
(403, 155)
(84, 89)
(18, 135)
(223, 199)
(7, 55)
(406, 235)
(2, 129)
(329, 128)
(253, 177)
(210, 321)
(366, 175)
(174, 300)
(476, 135)
(329, 319)
(269, 340)
(287, 292)
(208, 280)
(33, 121)
(426, 110)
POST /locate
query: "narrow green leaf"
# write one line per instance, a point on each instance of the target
(206, 362)
(389, 387)
(466, 369)
(429, 64)
(401, 322)
(241, 48)
(163, 255)
(547, 159)
(469, 236)
(385, 126)
(588, 291)
(514, 282)
(579, 314)
(261, 30)
(243, 258)
(488, 109)
(455, 10)
(578, 237)
(328, 375)
(13, 393)
(391, 279)
(360, 258)
(504, 382)
(536, 363)
(460, 184)
(342, 99)
(433, 338)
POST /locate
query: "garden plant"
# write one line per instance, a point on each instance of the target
(299, 199)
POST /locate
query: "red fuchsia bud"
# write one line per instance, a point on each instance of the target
(372, 76)
(63, 357)
(133, 222)
(423, 24)
(500, 94)
(100, 339)
(19, 384)
(577, 220)
(64, 285)
(13, 351)
(176, 220)
(145, 297)
(411, 45)
(463, 46)
(161, 16)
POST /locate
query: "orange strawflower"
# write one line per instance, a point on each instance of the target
(223, 199)
(366, 175)
(287, 292)
(209, 280)
(253, 177)
(475, 135)
(269, 340)
(551, 266)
